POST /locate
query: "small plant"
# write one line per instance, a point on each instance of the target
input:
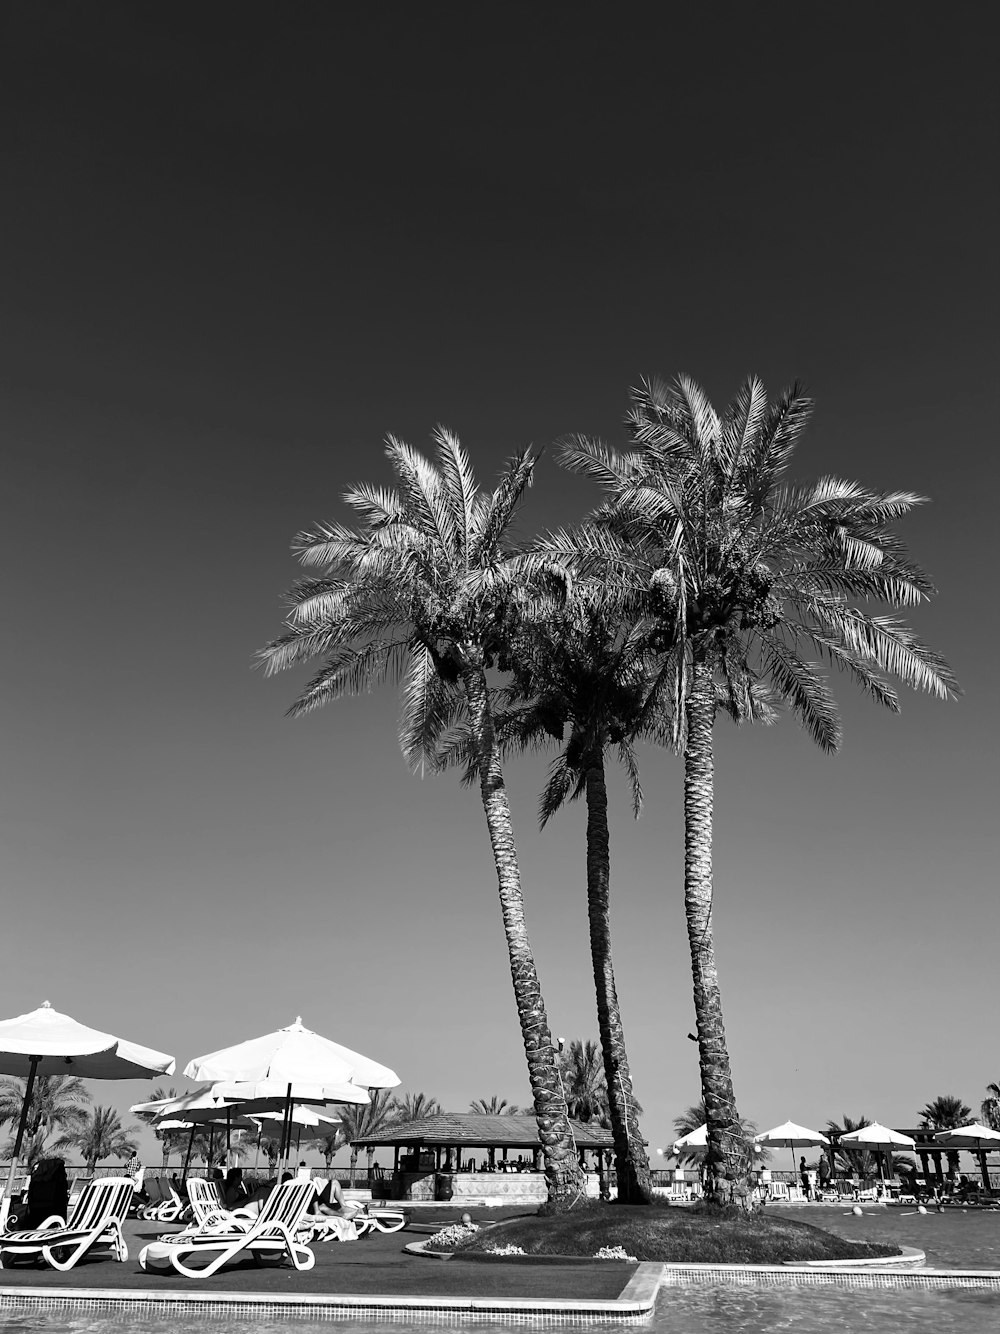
(614, 1253)
(509, 1249)
(452, 1236)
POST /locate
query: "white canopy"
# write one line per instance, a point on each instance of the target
(790, 1136)
(45, 1042)
(974, 1136)
(876, 1137)
(55, 1044)
(293, 1055)
(692, 1141)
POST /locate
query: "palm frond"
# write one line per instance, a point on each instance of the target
(806, 692)
(460, 487)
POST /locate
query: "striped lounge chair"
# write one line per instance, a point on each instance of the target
(272, 1233)
(95, 1222)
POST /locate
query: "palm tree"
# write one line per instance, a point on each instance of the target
(414, 1107)
(857, 1162)
(989, 1108)
(170, 1141)
(946, 1113)
(382, 1111)
(102, 1135)
(695, 1116)
(588, 679)
(424, 587)
(56, 1113)
(494, 1107)
(582, 1069)
(745, 572)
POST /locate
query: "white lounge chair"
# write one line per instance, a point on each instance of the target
(95, 1221)
(272, 1233)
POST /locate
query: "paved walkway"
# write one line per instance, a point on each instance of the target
(375, 1270)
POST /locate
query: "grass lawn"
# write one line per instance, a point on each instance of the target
(693, 1234)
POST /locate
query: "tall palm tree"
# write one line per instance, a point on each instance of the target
(946, 1112)
(587, 677)
(747, 573)
(494, 1107)
(102, 1135)
(56, 1113)
(989, 1108)
(423, 587)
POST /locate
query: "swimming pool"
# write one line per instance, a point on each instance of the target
(953, 1240)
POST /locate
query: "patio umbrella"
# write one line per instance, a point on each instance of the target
(877, 1138)
(693, 1142)
(790, 1136)
(976, 1137)
(45, 1042)
(296, 1064)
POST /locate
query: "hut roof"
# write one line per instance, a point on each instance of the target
(474, 1130)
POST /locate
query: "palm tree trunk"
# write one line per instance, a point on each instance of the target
(725, 1160)
(563, 1175)
(631, 1163)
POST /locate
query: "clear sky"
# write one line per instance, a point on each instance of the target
(240, 244)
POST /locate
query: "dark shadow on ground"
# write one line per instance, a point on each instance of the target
(375, 1265)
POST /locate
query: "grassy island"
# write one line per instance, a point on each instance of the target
(694, 1234)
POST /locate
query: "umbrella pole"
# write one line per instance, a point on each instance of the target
(984, 1170)
(19, 1139)
(256, 1157)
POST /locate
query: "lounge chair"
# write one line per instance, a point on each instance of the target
(347, 1227)
(95, 1221)
(778, 1191)
(272, 1233)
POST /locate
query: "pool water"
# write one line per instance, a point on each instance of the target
(953, 1240)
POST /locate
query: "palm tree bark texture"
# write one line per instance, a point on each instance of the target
(564, 1177)
(724, 1159)
(631, 1163)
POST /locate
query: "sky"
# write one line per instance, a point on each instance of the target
(241, 244)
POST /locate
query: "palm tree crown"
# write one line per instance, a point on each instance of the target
(103, 1136)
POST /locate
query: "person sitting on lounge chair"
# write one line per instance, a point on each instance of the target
(330, 1200)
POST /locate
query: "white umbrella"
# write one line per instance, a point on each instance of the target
(789, 1135)
(292, 1055)
(976, 1137)
(877, 1138)
(296, 1064)
(693, 1141)
(45, 1042)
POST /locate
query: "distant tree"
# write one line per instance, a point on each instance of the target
(170, 1141)
(581, 1066)
(415, 1106)
(693, 1117)
(495, 1107)
(327, 1146)
(102, 1135)
(357, 1122)
(989, 1109)
(56, 1114)
(946, 1113)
